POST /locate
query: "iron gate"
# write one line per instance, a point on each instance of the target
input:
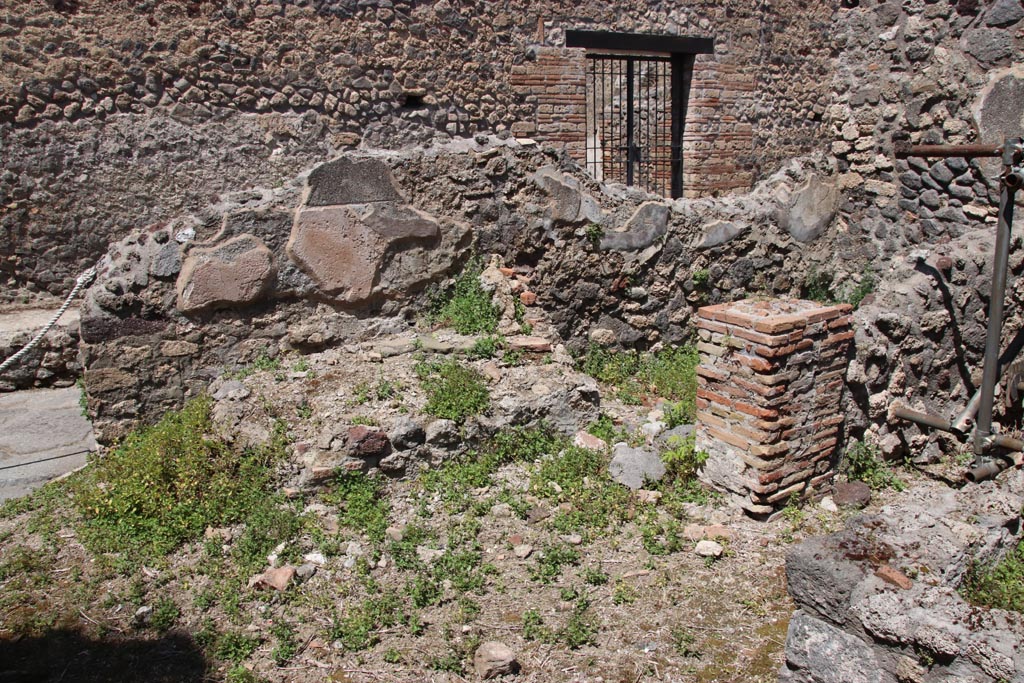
(635, 113)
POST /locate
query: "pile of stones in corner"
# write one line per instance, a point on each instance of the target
(878, 601)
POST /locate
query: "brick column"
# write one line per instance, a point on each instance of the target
(768, 399)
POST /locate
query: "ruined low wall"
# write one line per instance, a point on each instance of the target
(53, 361)
(347, 250)
(878, 602)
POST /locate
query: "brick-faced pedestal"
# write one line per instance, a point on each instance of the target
(768, 398)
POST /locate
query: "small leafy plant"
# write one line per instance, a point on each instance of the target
(999, 585)
(163, 485)
(454, 391)
(863, 462)
(466, 306)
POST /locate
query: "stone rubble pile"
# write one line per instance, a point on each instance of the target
(878, 601)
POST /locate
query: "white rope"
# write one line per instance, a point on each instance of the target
(84, 279)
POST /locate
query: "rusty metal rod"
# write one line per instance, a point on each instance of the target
(986, 470)
(990, 369)
(904, 150)
(926, 419)
(1007, 442)
(961, 421)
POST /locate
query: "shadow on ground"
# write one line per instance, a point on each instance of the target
(65, 655)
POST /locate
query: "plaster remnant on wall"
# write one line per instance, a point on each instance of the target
(807, 211)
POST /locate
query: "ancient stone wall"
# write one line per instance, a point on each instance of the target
(120, 114)
(922, 229)
(346, 251)
(178, 136)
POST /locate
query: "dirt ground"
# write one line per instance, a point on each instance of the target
(624, 598)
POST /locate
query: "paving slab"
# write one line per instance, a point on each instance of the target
(14, 323)
(42, 436)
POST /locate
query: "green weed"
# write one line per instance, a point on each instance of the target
(866, 286)
(533, 626)
(595, 577)
(999, 585)
(361, 503)
(286, 647)
(581, 627)
(485, 347)
(83, 397)
(670, 373)
(163, 485)
(165, 614)
(454, 391)
(358, 630)
(604, 428)
(863, 462)
(578, 476)
(466, 306)
(684, 643)
(623, 593)
(682, 459)
(551, 560)
(235, 647)
(662, 536)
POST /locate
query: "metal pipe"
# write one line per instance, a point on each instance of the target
(1007, 442)
(904, 150)
(990, 371)
(959, 423)
(926, 419)
(986, 470)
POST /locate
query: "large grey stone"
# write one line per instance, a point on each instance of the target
(809, 209)
(989, 46)
(406, 433)
(1004, 13)
(237, 272)
(633, 467)
(167, 261)
(648, 224)
(566, 198)
(817, 652)
(719, 232)
(352, 181)
(343, 250)
(823, 572)
(999, 109)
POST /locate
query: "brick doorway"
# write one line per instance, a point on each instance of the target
(637, 86)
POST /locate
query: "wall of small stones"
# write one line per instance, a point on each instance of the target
(348, 249)
(52, 362)
(115, 115)
(148, 154)
(922, 229)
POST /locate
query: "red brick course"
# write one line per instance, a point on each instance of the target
(769, 388)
